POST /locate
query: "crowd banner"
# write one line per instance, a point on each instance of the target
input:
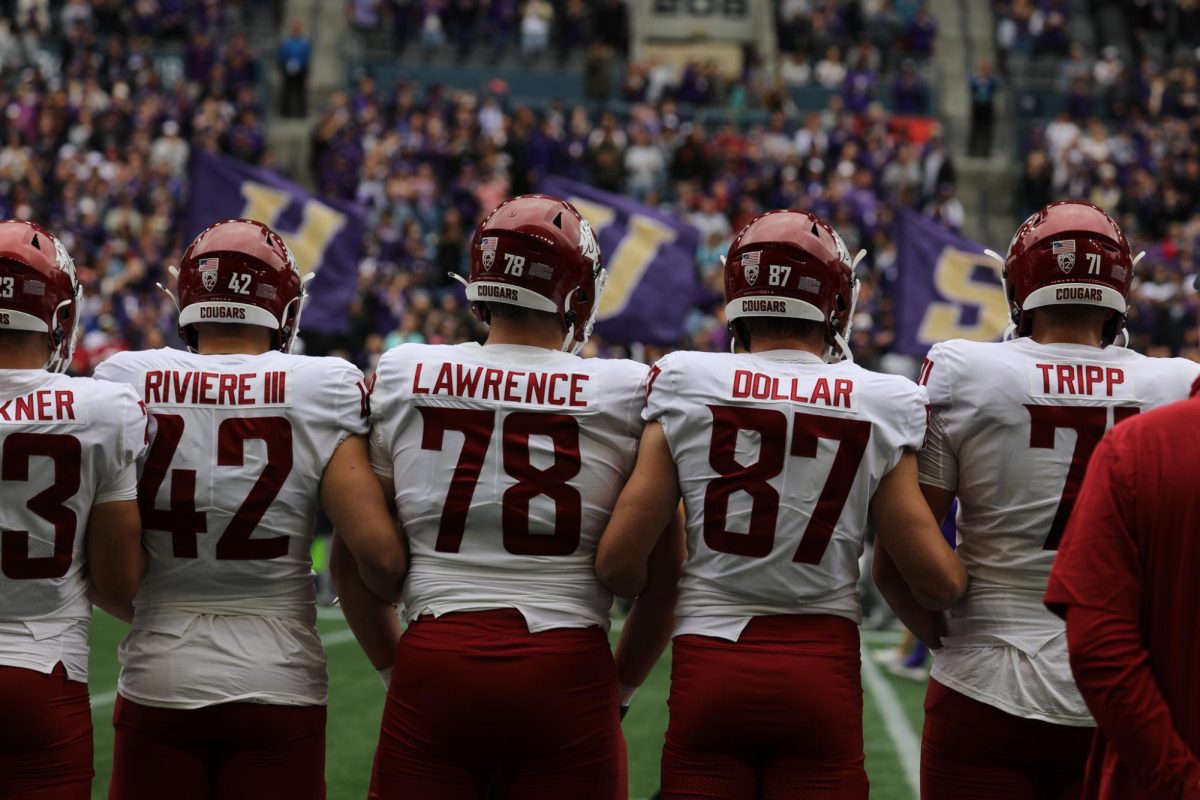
(650, 257)
(945, 288)
(325, 235)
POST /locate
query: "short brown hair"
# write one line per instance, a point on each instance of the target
(749, 328)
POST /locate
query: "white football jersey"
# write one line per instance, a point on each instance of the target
(1012, 428)
(230, 491)
(778, 457)
(507, 462)
(66, 445)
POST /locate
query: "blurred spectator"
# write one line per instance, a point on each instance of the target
(921, 32)
(983, 102)
(536, 19)
(294, 54)
(909, 93)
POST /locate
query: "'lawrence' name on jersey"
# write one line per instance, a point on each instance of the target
(67, 444)
(507, 461)
(229, 497)
(1012, 428)
(778, 457)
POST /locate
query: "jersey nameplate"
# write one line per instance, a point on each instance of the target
(835, 393)
(1080, 379)
(549, 389)
(58, 406)
(199, 389)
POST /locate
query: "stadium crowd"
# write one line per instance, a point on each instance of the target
(1124, 137)
(96, 134)
(427, 160)
(94, 141)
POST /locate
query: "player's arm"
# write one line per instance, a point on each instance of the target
(926, 625)
(116, 561)
(647, 503)
(1097, 581)
(652, 619)
(905, 526)
(373, 622)
(356, 504)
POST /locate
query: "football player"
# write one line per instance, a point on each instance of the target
(505, 460)
(1012, 428)
(223, 684)
(68, 519)
(781, 459)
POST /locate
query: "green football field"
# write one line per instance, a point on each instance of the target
(892, 723)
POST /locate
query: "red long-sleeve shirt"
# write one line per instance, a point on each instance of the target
(1127, 577)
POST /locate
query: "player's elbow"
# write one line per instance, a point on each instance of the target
(114, 589)
(385, 576)
(624, 577)
(944, 588)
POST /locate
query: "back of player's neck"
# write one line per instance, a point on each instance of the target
(765, 345)
(1065, 334)
(506, 332)
(24, 357)
(10, 361)
(228, 346)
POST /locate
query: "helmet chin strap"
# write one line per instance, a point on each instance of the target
(569, 345)
(285, 345)
(840, 338)
(174, 274)
(56, 362)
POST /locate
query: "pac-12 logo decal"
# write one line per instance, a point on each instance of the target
(208, 272)
(1065, 252)
(750, 262)
(487, 248)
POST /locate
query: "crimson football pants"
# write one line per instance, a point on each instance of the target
(475, 691)
(45, 736)
(230, 751)
(776, 715)
(974, 751)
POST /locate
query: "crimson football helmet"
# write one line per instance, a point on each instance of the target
(1069, 253)
(239, 270)
(792, 264)
(38, 288)
(537, 252)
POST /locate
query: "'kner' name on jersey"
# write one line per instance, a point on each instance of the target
(835, 393)
(171, 387)
(1080, 379)
(44, 405)
(504, 385)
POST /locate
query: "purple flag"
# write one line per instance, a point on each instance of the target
(946, 288)
(650, 257)
(324, 234)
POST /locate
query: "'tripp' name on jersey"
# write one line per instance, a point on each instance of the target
(67, 444)
(229, 493)
(778, 456)
(1012, 429)
(507, 461)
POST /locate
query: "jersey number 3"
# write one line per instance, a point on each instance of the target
(852, 436)
(183, 521)
(64, 452)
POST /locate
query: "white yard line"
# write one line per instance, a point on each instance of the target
(104, 699)
(908, 745)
